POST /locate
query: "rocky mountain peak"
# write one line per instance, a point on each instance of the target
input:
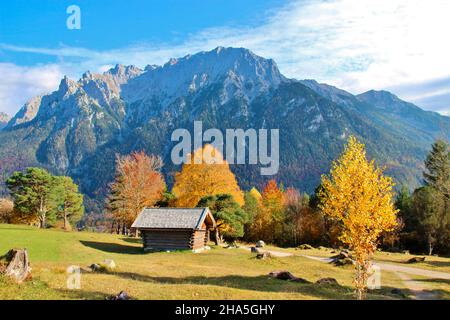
(27, 113)
(241, 71)
(67, 86)
(379, 95)
(123, 73)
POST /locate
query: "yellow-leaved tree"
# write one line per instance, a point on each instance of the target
(205, 173)
(256, 194)
(360, 197)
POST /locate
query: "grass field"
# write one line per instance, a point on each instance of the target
(214, 274)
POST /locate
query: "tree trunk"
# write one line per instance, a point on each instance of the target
(430, 244)
(65, 222)
(42, 213)
(43, 222)
(217, 237)
(15, 264)
(362, 269)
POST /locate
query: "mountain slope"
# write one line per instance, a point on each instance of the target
(79, 128)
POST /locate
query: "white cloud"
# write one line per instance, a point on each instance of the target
(19, 84)
(355, 45)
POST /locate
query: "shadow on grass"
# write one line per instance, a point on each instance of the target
(433, 280)
(112, 247)
(132, 240)
(82, 294)
(442, 264)
(264, 283)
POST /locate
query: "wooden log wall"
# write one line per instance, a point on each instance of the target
(166, 239)
(158, 240)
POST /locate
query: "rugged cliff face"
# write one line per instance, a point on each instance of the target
(78, 129)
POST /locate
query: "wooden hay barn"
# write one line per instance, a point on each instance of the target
(174, 228)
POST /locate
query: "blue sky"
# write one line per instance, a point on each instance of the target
(398, 45)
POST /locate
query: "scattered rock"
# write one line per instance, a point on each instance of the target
(260, 244)
(305, 247)
(95, 267)
(405, 252)
(232, 245)
(397, 291)
(416, 259)
(331, 281)
(121, 296)
(109, 264)
(286, 275)
(282, 275)
(15, 264)
(263, 255)
(256, 250)
(343, 262)
(342, 255)
(342, 259)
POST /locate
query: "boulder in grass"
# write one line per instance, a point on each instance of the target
(342, 259)
(15, 264)
(121, 296)
(328, 281)
(256, 250)
(416, 260)
(96, 267)
(263, 256)
(260, 244)
(282, 275)
(109, 264)
(343, 262)
(287, 276)
(305, 247)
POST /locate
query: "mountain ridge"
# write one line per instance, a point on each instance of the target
(78, 129)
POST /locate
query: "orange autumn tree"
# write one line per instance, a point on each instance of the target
(267, 223)
(138, 184)
(359, 196)
(205, 173)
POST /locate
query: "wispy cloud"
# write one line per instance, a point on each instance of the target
(355, 45)
(18, 84)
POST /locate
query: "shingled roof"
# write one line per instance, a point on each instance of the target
(172, 218)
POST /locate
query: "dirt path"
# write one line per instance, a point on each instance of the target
(384, 266)
(417, 289)
(277, 254)
(414, 271)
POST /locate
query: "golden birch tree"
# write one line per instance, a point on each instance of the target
(360, 197)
